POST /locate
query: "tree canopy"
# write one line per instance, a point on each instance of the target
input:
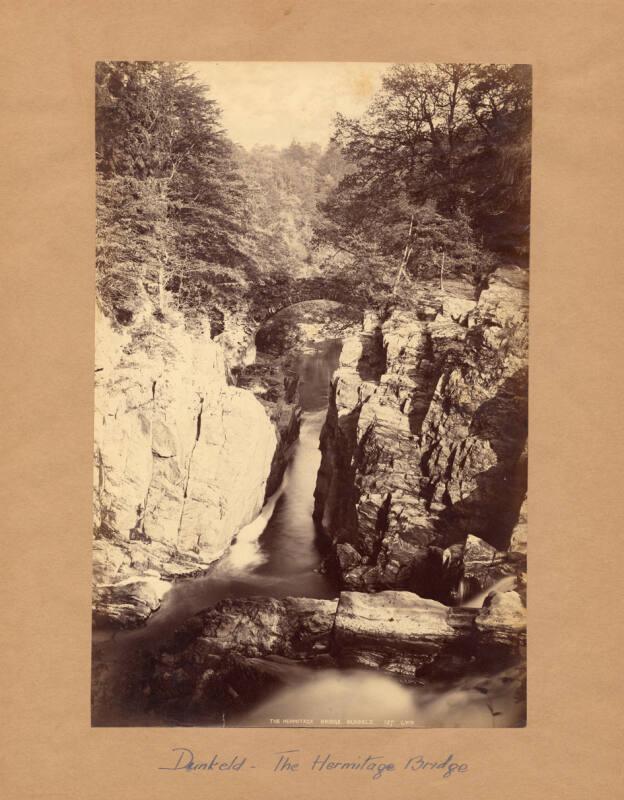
(184, 215)
(434, 176)
(438, 142)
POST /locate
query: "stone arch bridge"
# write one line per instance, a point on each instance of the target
(279, 296)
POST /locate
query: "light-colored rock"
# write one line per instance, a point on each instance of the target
(129, 602)
(181, 457)
(457, 308)
(107, 560)
(403, 633)
(519, 536)
(351, 352)
(371, 321)
(503, 614)
(222, 658)
(398, 617)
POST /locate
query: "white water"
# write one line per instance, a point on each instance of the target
(505, 584)
(365, 698)
(246, 551)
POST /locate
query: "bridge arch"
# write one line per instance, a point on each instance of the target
(289, 293)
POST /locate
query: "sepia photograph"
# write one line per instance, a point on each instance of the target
(311, 394)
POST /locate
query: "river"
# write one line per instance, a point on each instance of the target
(277, 555)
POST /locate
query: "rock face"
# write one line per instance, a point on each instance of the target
(394, 631)
(274, 383)
(424, 442)
(273, 378)
(129, 602)
(293, 627)
(400, 632)
(181, 462)
(227, 656)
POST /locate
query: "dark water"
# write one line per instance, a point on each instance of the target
(277, 555)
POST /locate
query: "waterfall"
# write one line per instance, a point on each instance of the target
(505, 584)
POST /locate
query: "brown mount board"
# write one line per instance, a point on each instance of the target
(570, 747)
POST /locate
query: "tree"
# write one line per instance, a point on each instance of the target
(499, 164)
(172, 204)
(445, 247)
(284, 189)
(453, 137)
(134, 238)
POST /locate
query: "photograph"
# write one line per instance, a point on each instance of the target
(311, 394)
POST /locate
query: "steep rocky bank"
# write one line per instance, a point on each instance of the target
(193, 432)
(274, 384)
(423, 479)
(182, 459)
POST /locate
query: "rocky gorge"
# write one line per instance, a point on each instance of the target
(420, 498)
(230, 656)
(310, 462)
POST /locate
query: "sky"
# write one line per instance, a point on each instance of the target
(274, 103)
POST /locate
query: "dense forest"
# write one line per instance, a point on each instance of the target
(185, 217)
(432, 181)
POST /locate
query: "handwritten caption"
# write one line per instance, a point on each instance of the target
(294, 761)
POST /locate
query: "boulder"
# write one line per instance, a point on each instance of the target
(503, 616)
(129, 602)
(228, 656)
(261, 626)
(400, 621)
(484, 565)
(401, 632)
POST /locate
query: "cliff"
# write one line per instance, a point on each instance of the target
(275, 385)
(425, 443)
(182, 458)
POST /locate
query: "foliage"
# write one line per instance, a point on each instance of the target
(433, 176)
(446, 146)
(437, 237)
(132, 238)
(285, 189)
(172, 204)
(183, 216)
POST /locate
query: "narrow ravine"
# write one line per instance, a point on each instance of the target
(277, 555)
(311, 490)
